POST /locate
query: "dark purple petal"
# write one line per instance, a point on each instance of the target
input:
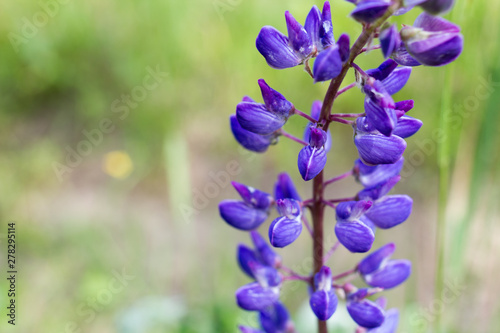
(379, 149)
(273, 45)
(407, 126)
(312, 26)
(383, 71)
(298, 37)
(323, 303)
(344, 46)
(289, 208)
(311, 161)
(276, 319)
(240, 215)
(389, 40)
(435, 23)
(390, 211)
(390, 324)
(326, 29)
(284, 188)
(352, 210)
(251, 141)
(253, 197)
(354, 235)
(246, 259)
(370, 10)
(383, 119)
(366, 313)
(328, 64)
(284, 231)
(247, 329)
(267, 255)
(374, 260)
(402, 57)
(274, 101)
(254, 297)
(390, 275)
(307, 136)
(370, 176)
(404, 106)
(256, 118)
(397, 80)
(317, 137)
(437, 7)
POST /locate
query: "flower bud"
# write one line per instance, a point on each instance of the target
(326, 29)
(344, 45)
(240, 215)
(363, 311)
(274, 101)
(312, 158)
(433, 41)
(369, 11)
(254, 117)
(254, 297)
(328, 64)
(246, 259)
(323, 301)
(285, 189)
(315, 113)
(390, 211)
(274, 47)
(354, 235)
(313, 26)
(284, 231)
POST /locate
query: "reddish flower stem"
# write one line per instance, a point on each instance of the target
(337, 178)
(291, 137)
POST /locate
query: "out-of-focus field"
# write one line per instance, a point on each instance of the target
(120, 237)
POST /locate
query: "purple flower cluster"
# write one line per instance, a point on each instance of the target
(379, 136)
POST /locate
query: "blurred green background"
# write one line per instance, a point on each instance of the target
(123, 238)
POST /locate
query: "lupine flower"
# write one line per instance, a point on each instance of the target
(389, 40)
(286, 229)
(388, 210)
(364, 312)
(275, 318)
(350, 230)
(437, 7)
(378, 271)
(328, 64)
(264, 251)
(375, 148)
(302, 42)
(264, 118)
(285, 189)
(255, 297)
(249, 213)
(323, 301)
(407, 126)
(251, 141)
(312, 158)
(315, 113)
(432, 40)
(369, 11)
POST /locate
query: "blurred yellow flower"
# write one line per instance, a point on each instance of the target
(118, 164)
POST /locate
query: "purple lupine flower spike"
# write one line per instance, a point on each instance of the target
(350, 230)
(298, 37)
(275, 318)
(364, 312)
(323, 301)
(251, 141)
(369, 11)
(378, 271)
(389, 40)
(274, 46)
(437, 7)
(285, 189)
(432, 40)
(312, 158)
(286, 229)
(328, 64)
